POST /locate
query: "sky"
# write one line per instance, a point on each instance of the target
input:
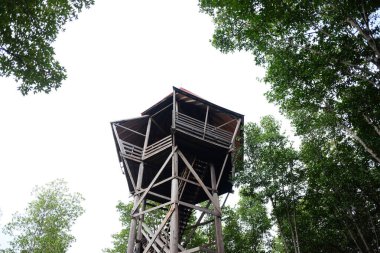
(121, 57)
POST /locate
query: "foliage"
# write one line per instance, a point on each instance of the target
(46, 223)
(273, 174)
(27, 30)
(322, 60)
(120, 239)
(246, 226)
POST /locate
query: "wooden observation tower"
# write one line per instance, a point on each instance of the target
(178, 154)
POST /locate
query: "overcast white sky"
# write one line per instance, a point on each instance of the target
(122, 57)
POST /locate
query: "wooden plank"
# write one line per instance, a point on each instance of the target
(154, 180)
(199, 180)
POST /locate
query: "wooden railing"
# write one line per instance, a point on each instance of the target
(158, 146)
(131, 151)
(198, 129)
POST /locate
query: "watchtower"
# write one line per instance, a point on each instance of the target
(179, 153)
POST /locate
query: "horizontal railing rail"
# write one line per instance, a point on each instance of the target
(197, 128)
(158, 146)
(130, 150)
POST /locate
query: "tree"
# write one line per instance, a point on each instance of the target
(246, 227)
(46, 223)
(273, 174)
(322, 60)
(27, 30)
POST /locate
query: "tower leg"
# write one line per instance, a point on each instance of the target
(218, 221)
(139, 232)
(132, 230)
(174, 220)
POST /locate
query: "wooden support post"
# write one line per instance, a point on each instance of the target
(205, 126)
(139, 229)
(132, 231)
(218, 220)
(174, 220)
(146, 137)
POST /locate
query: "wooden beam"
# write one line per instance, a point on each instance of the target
(168, 215)
(158, 126)
(197, 224)
(174, 220)
(174, 109)
(225, 200)
(199, 180)
(157, 184)
(152, 209)
(232, 145)
(147, 136)
(139, 228)
(159, 195)
(158, 239)
(153, 181)
(202, 209)
(206, 118)
(133, 223)
(192, 182)
(130, 174)
(224, 124)
(166, 107)
(222, 170)
(131, 130)
(218, 221)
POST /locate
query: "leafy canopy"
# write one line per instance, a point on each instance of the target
(27, 30)
(46, 223)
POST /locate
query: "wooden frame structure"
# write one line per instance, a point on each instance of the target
(179, 153)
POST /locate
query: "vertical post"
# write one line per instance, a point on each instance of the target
(174, 220)
(147, 136)
(132, 231)
(218, 220)
(174, 111)
(139, 232)
(205, 126)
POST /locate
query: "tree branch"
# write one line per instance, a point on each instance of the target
(367, 36)
(358, 139)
